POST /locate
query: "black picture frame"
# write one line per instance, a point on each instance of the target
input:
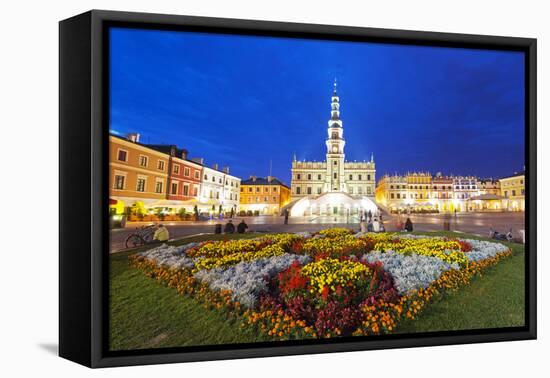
(83, 164)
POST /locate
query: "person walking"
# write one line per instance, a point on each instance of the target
(286, 216)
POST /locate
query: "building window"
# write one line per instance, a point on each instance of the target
(368, 177)
(335, 162)
(174, 188)
(186, 190)
(368, 189)
(335, 175)
(217, 195)
(350, 190)
(360, 190)
(274, 190)
(309, 176)
(140, 186)
(197, 175)
(308, 190)
(195, 191)
(186, 172)
(298, 176)
(176, 169)
(360, 177)
(257, 189)
(513, 193)
(122, 155)
(319, 190)
(119, 182)
(205, 177)
(250, 189)
(319, 177)
(398, 195)
(211, 194)
(265, 199)
(297, 190)
(522, 192)
(274, 199)
(266, 189)
(143, 160)
(158, 187)
(350, 177)
(160, 165)
(391, 195)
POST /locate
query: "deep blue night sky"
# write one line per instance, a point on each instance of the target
(243, 101)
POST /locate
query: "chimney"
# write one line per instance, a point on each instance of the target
(184, 153)
(198, 160)
(215, 166)
(253, 178)
(225, 170)
(133, 137)
(270, 178)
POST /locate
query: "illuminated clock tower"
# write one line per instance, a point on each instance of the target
(335, 177)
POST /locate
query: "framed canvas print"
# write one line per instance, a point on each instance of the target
(233, 188)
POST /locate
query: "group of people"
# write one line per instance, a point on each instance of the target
(230, 227)
(371, 223)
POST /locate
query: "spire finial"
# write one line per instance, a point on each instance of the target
(372, 157)
(294, 157)
(335, 85)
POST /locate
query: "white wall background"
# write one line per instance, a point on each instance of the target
(29, 188)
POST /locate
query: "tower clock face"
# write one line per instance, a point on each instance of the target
(334, 149)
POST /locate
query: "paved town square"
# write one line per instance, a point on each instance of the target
(472, 223)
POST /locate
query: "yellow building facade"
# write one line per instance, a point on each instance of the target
(263, 196)
(513, 189)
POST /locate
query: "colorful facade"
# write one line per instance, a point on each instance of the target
(422, 192)
(513, 189)
(158, 179)
(265, 196)
(137, 173)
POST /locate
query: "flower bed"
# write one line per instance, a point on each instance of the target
(328, 284)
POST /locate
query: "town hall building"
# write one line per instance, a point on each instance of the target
(334, 186)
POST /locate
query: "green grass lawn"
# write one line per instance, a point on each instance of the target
(145, 314)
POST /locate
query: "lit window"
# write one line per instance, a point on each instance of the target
(158, 187)
(119, 182)
(140, 186)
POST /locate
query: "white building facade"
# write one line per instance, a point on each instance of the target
(219, 188)
(334, 186)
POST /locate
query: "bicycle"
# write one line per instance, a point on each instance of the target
(143, 235)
